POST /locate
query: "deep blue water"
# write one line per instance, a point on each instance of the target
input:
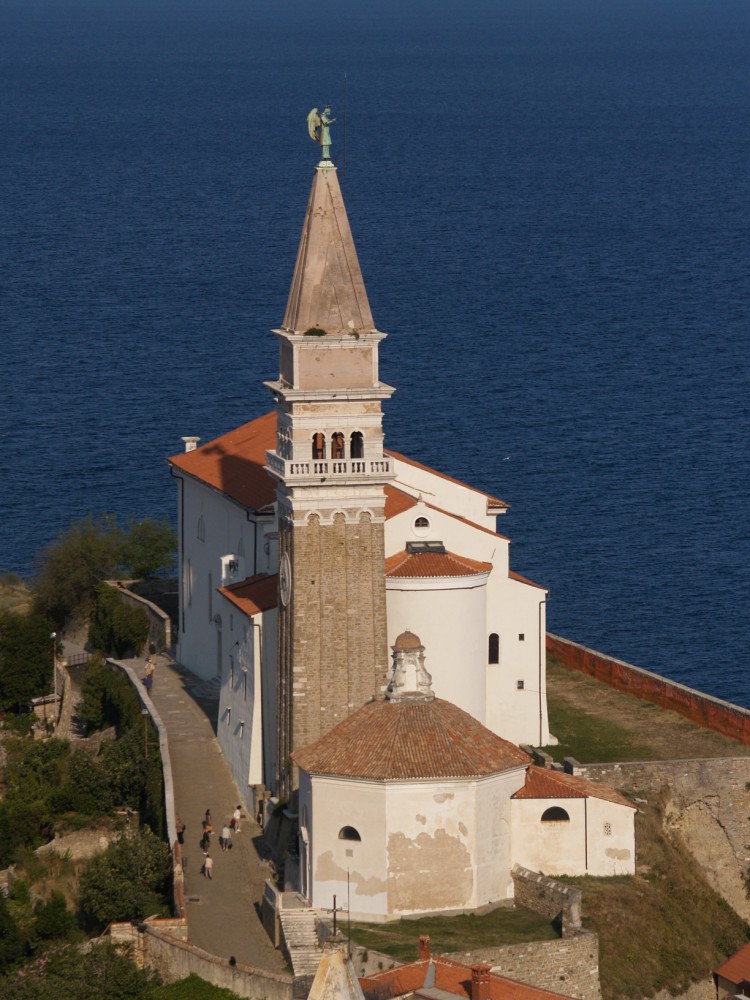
(550, 201)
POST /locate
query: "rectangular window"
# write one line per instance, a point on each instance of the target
(521, 637)
(519, 685)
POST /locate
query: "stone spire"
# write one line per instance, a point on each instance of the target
(328, 291)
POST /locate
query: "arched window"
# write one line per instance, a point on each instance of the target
(337, 445)
(553, 815)
(348, 833)
(357, 447)
(493, 648)
(319, 445)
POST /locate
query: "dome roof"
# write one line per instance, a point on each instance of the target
(405, 740)
(407, 641)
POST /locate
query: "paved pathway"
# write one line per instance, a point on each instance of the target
(222, 912)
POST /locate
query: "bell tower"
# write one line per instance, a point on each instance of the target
(331, 472)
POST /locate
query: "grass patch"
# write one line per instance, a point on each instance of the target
(586, 738)
(665, 927)
(462, 933)
(15, 594)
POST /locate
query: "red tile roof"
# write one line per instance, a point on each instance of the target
(453, 977)
(390, 741)
(396, 501)
(433, 564)
(253, 595)
(542, 783)
(234, 463)
(736, 969)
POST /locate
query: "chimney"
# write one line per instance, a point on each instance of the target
(480, 981)
(190, 443)
(424, 947)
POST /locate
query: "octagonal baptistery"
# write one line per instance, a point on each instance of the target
(405, 804)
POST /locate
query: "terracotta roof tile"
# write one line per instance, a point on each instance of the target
(234, 463)
(253, 595)
(418, 739)
(541, 783)
(736, 969)
(433, 564)
(452, 977)
(396, 501)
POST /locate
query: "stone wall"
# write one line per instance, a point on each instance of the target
(569, 966)
(703, 709)
(550, 898)
(708, 804)
(157, 945)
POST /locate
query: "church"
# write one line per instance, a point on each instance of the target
(379, 663)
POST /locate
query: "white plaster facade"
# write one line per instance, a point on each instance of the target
(598, 838)
(429, 846)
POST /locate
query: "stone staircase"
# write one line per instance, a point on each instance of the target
(301, 939)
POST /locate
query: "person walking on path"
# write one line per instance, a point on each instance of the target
(148, 678)
(235, 824)
(180, 825)
(208, 866)
(226, 838)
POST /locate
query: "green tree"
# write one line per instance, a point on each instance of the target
(11, 943)
(25, 658)
(108, 699)
(71, 567)
(126, 881)
(54, 919)
(117, 628)
(150, 548)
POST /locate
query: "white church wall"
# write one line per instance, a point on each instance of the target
(445, 493)
(611, 838)
(266, 729)
(431, 847)
(449, 617)
(517, 685)
(598, 839)
(236, 730)
(494, 859)
(514, 689)
(339, 804)
(554, 847)
(212, 527)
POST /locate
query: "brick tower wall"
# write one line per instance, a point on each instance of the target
(333, 653)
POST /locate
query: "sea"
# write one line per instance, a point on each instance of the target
(551, 206)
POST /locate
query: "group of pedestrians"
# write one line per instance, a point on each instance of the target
(225, 838)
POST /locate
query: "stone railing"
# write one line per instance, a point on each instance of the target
(344, 468)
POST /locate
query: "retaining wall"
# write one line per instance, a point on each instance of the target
(570, 966)
(550, 898)
(158, 945)
(703, 709)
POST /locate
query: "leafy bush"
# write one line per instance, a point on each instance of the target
(104, 973)
(128, 880)
(117, 628)
(25, 658)
(54, 919)
(108, 699)
(95, 549)
(150, 548)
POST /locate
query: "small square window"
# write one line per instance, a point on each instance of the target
(519, 685)
(521, 637)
